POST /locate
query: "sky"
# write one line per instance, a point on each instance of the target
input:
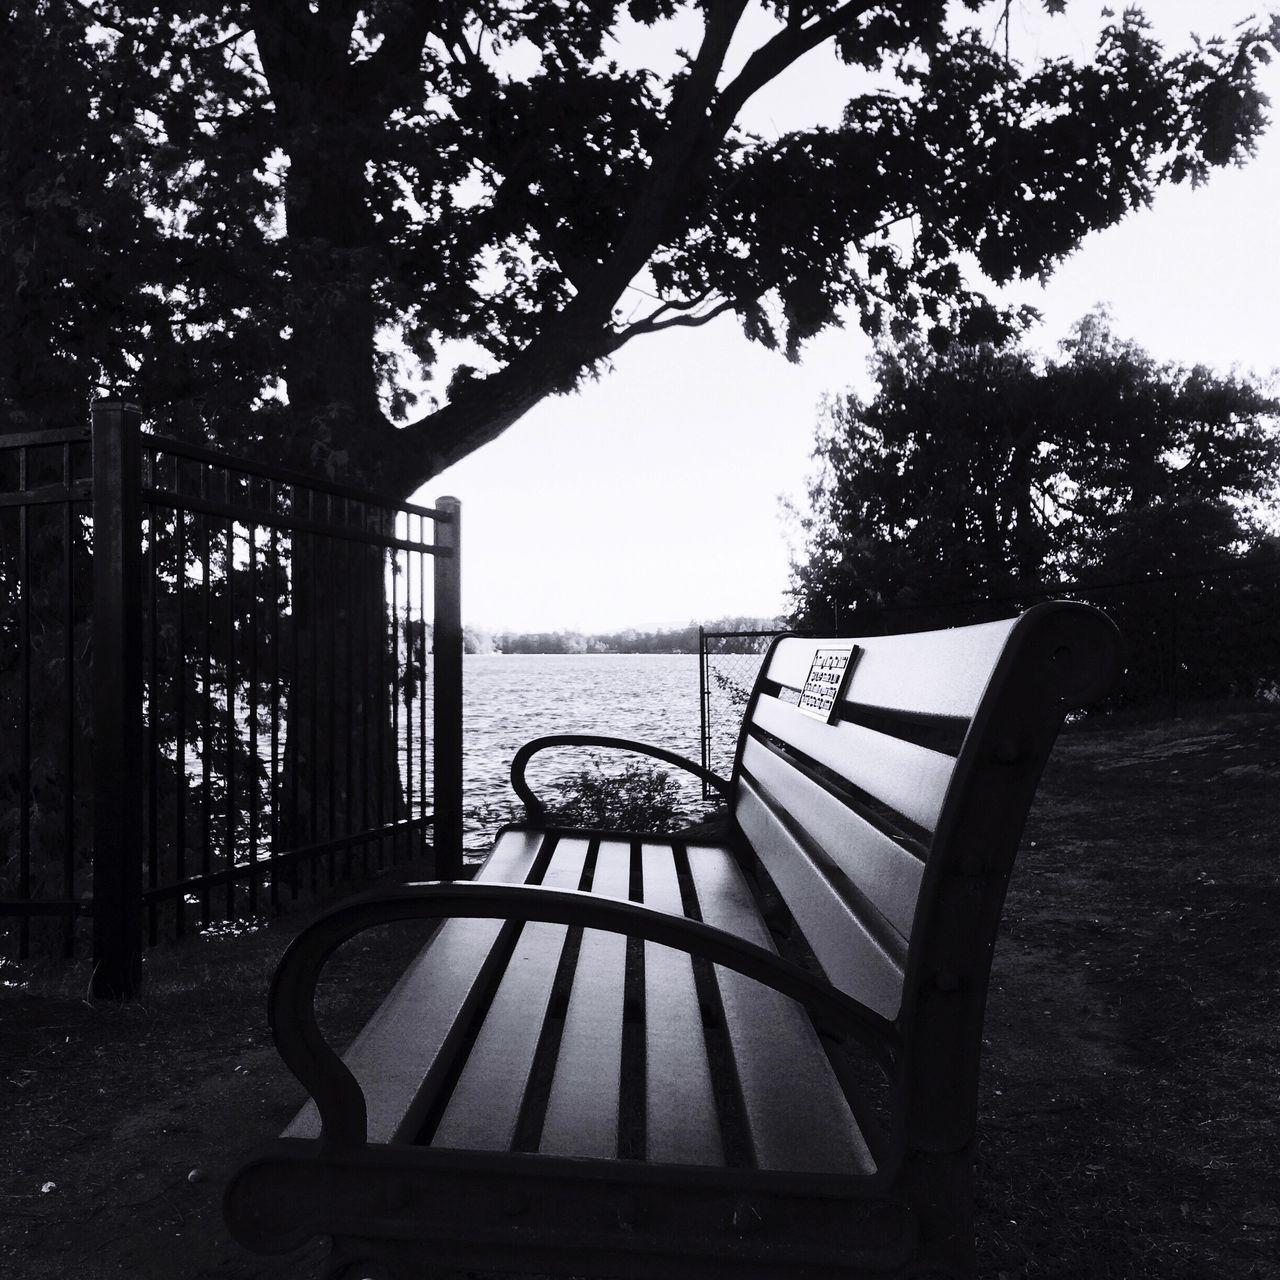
(654, 496)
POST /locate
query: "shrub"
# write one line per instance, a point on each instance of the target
(639, 797)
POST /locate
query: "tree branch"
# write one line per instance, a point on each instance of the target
(578, 335)
(650, 324)
(776, 55)
(456, 42)
(678, 304)
(577, 269)
(87, 7)
(226, 40)
(669, 170)
(400, 50)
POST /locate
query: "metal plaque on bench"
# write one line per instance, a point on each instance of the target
(826, 682)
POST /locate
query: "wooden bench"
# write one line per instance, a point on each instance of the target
(642, 1056)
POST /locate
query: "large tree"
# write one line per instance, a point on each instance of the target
(77, 251)
(366, 238)
(986, 472)
(275, 218)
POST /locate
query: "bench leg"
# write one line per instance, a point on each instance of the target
(941, 1192)
(355, 1259)
(346, 1263)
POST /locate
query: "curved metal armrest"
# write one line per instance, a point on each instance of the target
(537, 810)
(337, 1093)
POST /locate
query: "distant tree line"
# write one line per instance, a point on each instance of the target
(672, 640)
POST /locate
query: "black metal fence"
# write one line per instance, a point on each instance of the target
(1204, 633)
(231, 685)
(45, 843)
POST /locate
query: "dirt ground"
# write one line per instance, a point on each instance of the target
(1129, 1110)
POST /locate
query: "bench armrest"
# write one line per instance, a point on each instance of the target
(537, 810)
(337, 1094)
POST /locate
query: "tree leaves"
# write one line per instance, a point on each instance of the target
(978, 467)
(285, 187)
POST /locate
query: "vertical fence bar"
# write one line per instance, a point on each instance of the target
(206, 705)
(382, 693)
(117, 701)
(273, 785)
(367, 623)
(407, 687)
(294, 706)
(229, 678)
(24, 704)
(422, 688)
(704, 735)
(447, 768)
(313, 810)
(252, 640)
(69, 725)
(151, 689)
(180, 709)
(397, 683)
(348, 687)
(331, 738)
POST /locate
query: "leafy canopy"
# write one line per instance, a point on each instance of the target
(983, 469)
(412, 220)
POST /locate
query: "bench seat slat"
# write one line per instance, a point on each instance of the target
(412, 1029)
(929, 673)
(485, 1106)
(910, 779)
(798, 1116)
(582, 1110)
(876, 866)
(681, 1123)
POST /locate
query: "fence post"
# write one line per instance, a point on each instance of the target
(447, 691)
(704, 731)
(117, 700)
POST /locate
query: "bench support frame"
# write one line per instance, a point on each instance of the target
(394, 1209)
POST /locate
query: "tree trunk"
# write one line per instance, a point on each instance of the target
(356, 741)
(344, 761)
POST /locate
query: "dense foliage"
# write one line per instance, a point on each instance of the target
(636, 797)
(984, 470)
(279, 222)
(367, 238)
(986, 474)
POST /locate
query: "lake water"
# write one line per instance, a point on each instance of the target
(510, 698)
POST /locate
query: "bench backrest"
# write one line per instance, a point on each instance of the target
(890, 831)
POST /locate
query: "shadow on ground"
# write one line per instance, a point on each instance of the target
(1129, 1112)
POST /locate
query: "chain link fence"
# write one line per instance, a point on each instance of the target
(1209, 634)
(728, 663)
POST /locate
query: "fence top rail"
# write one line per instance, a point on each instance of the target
(736, 635)
(249, 515)
(215, 457)
(54, 435)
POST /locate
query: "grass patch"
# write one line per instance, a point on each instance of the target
(1129, 1101)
